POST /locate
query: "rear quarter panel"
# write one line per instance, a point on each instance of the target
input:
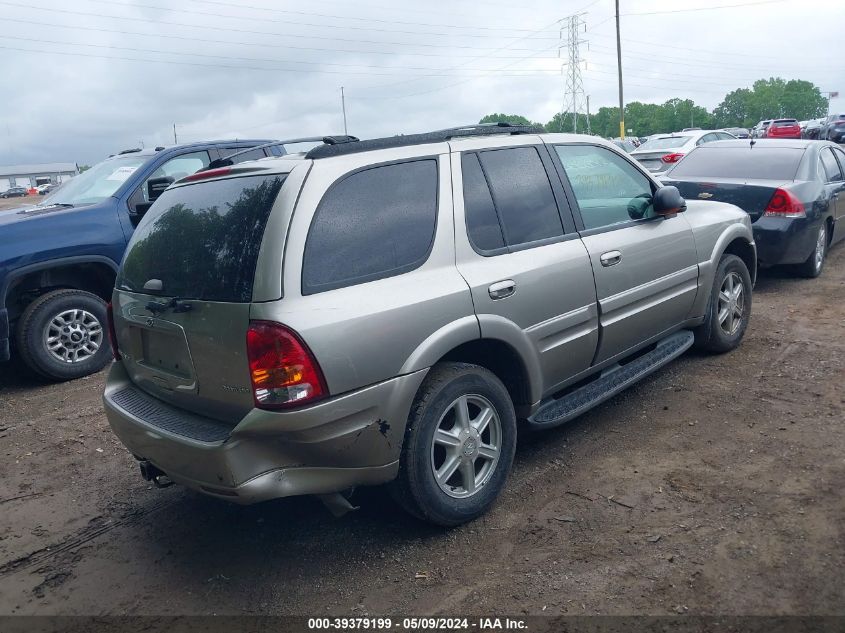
(714, 226)
(370, 332)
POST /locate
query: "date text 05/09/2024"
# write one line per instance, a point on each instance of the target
(417, 624)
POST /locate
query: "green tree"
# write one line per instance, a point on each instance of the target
(564, 123)
(515, 119)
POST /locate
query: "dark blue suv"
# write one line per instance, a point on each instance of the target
(58, 259)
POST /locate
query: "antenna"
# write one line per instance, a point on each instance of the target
(574, 98)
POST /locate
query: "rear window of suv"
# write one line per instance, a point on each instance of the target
(201, 241)
(768, 163)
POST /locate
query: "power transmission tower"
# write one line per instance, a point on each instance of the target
(574, 98)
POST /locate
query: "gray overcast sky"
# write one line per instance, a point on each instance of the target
(84, 79)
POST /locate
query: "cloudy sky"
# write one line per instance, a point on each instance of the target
(83, 79)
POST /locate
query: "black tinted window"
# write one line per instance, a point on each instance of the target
(373, 224)
(482, 222)
(522, 194)
(830, 166)
(778, 163)
(254, 154)
(202, 240)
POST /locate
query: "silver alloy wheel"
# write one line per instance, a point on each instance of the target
(731, 308)
(466, 447)
(821, 246)
(73, 336)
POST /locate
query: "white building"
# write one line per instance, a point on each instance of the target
(33, 175)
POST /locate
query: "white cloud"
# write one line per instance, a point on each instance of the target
(69, 97)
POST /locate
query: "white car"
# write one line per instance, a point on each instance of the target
(661, 152)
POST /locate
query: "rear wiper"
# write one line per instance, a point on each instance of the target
(175, 304)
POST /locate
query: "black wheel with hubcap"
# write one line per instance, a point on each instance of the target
(459, 445)
(815, 262)
(728, 309)
(61, 335)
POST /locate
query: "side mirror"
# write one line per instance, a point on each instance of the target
(156, 186)
(668, 202)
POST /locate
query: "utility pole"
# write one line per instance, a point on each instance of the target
(573, 96)
(175, 141)
(619, 65)
(343, 107)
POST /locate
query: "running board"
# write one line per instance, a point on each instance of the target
(610, 382)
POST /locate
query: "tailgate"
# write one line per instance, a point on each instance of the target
(194, 359)
(182, 301)
(750, 197)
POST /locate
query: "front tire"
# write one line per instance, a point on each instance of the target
(729, 307)
(459, 445)
(62, 335)
(814, 265)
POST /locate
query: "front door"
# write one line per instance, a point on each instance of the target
(646, 269)
(518, 250)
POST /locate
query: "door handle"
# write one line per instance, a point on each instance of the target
(610, 258)
(502, 289)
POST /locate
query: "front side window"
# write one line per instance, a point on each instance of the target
(175, 168)
(370, 225)
(609, 190)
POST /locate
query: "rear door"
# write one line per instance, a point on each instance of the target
(183, 294)
(518, 250)
(645, 267)
(833, 172)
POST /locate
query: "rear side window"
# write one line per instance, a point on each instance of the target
(201, 241)
(483, 227)
(770, 163)
(522, 195)
(370, 225)
(831, 169)
(254, 154)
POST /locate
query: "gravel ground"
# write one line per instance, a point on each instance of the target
(715, 487)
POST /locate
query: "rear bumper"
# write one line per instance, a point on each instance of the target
(4, 334)
(350, 440)
(784, 240)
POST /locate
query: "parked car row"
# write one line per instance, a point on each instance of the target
(661, 151)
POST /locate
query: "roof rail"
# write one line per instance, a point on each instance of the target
(226, 161)
(479, 129)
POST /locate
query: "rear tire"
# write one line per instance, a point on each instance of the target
(62, 335)
(728, 309)
(814, 265)
(459, 445)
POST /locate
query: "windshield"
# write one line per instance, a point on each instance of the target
(97, 183)
(753, 163)
(666, 142)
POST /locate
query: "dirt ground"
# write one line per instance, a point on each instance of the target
(715, 487)
(12, 203)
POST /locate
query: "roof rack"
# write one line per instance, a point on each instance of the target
(478, 129)
(226, 161)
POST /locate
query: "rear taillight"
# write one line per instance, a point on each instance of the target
(672, 158)
(112, 332)
(784, 204)
(282, 369)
